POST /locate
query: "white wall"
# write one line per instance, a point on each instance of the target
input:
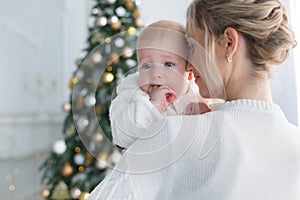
(285, 85)
(39, 44)
(153, 10)
(295, 16)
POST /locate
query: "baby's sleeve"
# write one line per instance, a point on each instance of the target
(131, 112)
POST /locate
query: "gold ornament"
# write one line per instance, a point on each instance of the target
(78, 61)
(90, 62)
(88, 158)
(107, 77)
(98, 109)
(79, 102)
(98, 137)
(72, 82)
(107, 40)
(96, 37)
(136, 12)
(84, 195)
(131, 30)
(114, 58)
(60, 191)
(71, 130)
(109, 68)
(81, 168)
(89, 80)
(116, 25)
(77, 149)
(139, 22)
(67, 170)
(45, 193)
(127, 52)
(129, 4)
(103, 161)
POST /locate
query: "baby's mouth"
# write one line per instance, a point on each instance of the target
(153, 87)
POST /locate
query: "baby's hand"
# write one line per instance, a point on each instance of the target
(161, 97)
(196, 108)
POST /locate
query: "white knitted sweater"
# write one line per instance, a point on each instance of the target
(131, 112)
(244, 150)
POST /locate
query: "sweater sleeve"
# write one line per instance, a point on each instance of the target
(131, 112)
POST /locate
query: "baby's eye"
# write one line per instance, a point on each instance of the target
(169, 64)
(147, 65)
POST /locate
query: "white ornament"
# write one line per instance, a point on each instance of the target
(66, 107)
(83, 92)
(79, 74)
(78, 159)
(114, 19)
(101, 164)
(82, 123)
(119, 42)
(138, 2)
(95, 11)
(130, 62)
(75, 193)
(127, 52)
(101, 21)
(59, 147)
(97, 57)
(111, 1)
(90, 100)
(121, 11)
(116, 156)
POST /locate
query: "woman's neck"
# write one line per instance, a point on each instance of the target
(246, 87)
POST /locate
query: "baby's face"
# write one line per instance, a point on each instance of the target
(161, 68)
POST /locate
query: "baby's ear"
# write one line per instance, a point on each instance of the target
(191, 76)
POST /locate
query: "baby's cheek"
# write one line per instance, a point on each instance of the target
(183, 86)
(144, 88)
(142, 82)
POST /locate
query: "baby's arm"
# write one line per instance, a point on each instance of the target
(161, 97)
(196, 108)
(131, 112)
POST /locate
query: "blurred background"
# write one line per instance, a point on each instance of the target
(41, 45)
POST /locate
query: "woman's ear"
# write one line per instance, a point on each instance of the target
(232, 39)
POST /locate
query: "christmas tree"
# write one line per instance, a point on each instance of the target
(82, 159)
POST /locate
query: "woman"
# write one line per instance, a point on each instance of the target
(244, 150)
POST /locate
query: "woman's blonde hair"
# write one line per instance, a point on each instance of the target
(263, 23)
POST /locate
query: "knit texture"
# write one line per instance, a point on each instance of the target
(244, 150)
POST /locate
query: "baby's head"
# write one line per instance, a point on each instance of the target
(162, 55)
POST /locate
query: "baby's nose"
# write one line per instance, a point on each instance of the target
(157, 71)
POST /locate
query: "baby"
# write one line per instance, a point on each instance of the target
(161, 87)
